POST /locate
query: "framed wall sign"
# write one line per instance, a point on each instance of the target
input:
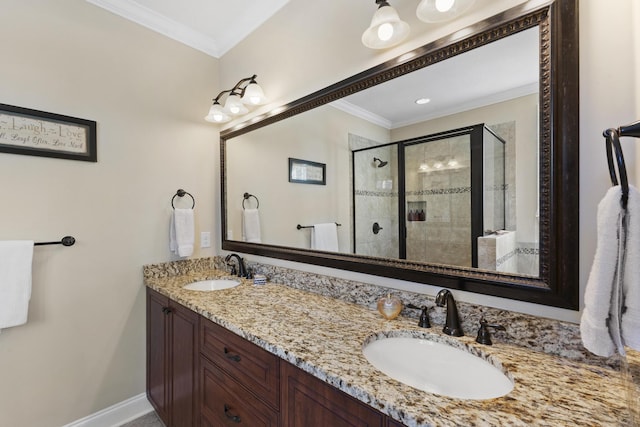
(306, 172)
(38, 133)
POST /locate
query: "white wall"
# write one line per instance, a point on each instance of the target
(331, 50)
(258, 163)
(83, 348)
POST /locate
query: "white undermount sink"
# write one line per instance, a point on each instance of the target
(437, 368)
(212, 285)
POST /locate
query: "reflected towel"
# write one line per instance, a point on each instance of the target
(324, 237)
(181, 232)
(251, 225)
(631, 283)
(15, 281)
(599, 324)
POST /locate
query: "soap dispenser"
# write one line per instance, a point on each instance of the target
(389, 306)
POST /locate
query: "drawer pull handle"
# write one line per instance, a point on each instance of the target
(230, 356)
(230, 416)
(166, 310)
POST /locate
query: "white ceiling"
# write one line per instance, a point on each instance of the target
(508, 69)
(211, 26)
(496, 72)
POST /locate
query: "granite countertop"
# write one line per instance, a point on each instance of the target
(324, 336)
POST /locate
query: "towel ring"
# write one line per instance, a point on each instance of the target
(181, 193)
(246, 196)
(613, 144)
(612, 140)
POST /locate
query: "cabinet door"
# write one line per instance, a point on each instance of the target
(184, 366)
(394, 423)
(310, 402)
(157, 352)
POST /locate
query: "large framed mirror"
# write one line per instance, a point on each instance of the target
(475, 190)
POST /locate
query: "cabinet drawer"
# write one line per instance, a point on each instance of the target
(250, 365)
(227, 403)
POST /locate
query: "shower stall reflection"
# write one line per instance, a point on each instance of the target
(441, 198)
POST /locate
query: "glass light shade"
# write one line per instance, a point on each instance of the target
(432, 11)
(217, 114)
(234, 106)
(253, 95)
(386, 29)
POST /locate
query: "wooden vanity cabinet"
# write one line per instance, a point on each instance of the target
(239, 380)
(201, 374)
(172, 360)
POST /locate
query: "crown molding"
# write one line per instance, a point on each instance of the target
(161, 24)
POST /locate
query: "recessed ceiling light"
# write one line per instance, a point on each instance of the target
(422, 101)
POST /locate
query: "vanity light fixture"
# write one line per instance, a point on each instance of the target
(386, 29)
(217, 114)
(431, 11)
(245, 92)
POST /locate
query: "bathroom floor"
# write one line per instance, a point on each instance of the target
(148, 420)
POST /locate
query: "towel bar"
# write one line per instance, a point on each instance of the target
(65, 241)
(311, 226)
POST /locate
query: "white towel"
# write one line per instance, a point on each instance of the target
(15, 281)
(612, 288)
(324, 237)
(181, 232)
(631, 283)
(251, 225)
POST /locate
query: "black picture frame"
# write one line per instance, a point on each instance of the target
(307, 172)
(40, 133)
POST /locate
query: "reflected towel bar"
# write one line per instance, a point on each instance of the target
(65, 241)
(311, 226)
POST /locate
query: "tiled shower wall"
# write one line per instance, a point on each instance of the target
(376, 199)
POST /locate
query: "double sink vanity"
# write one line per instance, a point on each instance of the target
(272, 355)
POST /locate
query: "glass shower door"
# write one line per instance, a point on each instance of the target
(437, 210)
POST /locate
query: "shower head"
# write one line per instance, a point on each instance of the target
(381, 164)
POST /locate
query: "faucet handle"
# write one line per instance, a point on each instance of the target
(484, 336)
(424, 316)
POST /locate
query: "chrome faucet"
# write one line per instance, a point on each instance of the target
(242, 271)
(452, 325)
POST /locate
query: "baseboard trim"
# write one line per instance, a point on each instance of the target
(118, 414)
